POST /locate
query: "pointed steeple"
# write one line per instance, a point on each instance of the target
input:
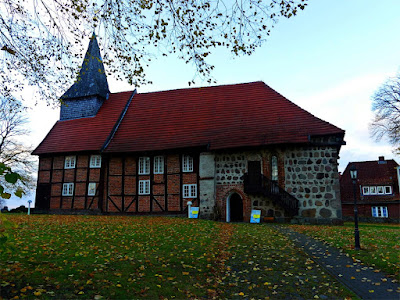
(92, 80)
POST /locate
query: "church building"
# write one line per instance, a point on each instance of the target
(228, 149)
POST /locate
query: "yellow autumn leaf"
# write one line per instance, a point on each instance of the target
(241, 294)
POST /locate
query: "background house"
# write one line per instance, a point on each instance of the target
(228, 149)
(377, 190)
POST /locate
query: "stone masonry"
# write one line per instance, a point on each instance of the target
(312, 177)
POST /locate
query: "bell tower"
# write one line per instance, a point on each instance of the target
(85, 97)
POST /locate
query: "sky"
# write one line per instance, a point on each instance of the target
(329, 60)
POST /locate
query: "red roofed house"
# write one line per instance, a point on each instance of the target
(377, 190)
(228, 149)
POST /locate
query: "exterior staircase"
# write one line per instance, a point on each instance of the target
(261, 185)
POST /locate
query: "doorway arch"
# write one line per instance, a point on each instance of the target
(234, 208)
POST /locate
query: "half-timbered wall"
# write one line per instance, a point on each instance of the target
(166, 190)
(53, 175)
(117, 184)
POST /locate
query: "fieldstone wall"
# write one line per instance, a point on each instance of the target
(229, 172)
(230, 168)
(311, 175)
(80, 108)
(308, 173)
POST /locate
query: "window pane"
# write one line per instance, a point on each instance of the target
(187, 163)
(374, 211)
(384, 212)
(380, 189)
(366, 190)
(144, 165)
(372, 190)
(95, 161)
(193, 191)
(158, 165)
(388, 190)
(69, 162)
(92, 189)
(144, 187)
(274, 168)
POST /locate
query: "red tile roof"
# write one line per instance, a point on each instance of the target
(370, 173)
(85, 134)
(228, 116)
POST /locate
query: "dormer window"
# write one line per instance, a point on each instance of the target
(70, 162)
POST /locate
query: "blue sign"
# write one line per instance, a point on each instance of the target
(194, 213)
(255, 216)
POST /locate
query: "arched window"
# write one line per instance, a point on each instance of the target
(274, 168)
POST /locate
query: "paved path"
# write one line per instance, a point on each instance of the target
(364, 281)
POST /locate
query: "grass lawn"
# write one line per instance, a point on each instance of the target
(380, 243)
(119, 257)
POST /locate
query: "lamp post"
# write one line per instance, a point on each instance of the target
(29, 207)
(353, 175)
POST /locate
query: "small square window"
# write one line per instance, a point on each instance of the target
(158, 165)
(365, 190)
(372, 190)
(68, 189)
(144, 165)
(92, 189)
(187, 163)
(69, 162)
(388, 190)
(380, 190)
(95, 161)
(144, 187)
(189, 191)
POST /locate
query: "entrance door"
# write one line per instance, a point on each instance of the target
(254, 171)
(43, 196)
(236, 208)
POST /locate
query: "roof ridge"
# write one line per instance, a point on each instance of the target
(204, 87)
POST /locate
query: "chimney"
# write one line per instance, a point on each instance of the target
(381, 160)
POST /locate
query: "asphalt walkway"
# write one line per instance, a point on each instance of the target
(364, 281)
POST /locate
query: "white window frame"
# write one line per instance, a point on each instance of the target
(144, 187)
(91, 189)
(380, 190)
(144, 165)
(379, 211)
(158, 167)
(70, 162)
(189, 190)
(187, 163)
(365, 190)
(390, 190)
(95, 161)
(274, 168)
(68, 189)
(372, 190)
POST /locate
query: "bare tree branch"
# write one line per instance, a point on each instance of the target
(386, 106)
(40, 39)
